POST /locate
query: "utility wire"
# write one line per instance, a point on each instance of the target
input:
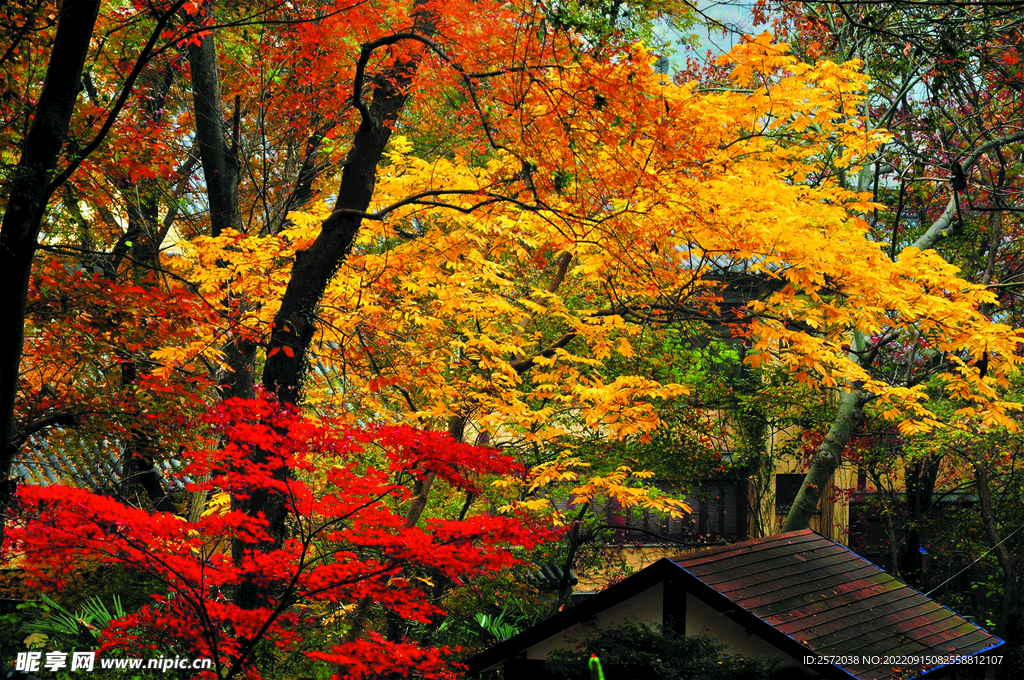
(975, 561)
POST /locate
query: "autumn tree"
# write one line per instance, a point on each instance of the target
(479, 284)
(621, 248)
(219, 147)
(945, 83)
(349, 541)
(926, 88)
(39, 124)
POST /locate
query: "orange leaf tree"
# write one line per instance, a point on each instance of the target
(482, 282)
(492, 293)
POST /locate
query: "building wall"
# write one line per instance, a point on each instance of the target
(704, 620)
(833, 517)
(620, 561)
(645, 608)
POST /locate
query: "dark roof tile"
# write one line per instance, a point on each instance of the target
(834, 602)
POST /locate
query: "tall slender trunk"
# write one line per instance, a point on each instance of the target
(26, 206)
(219, 159)
(919, 478)
(142, 484)
(1011, 611)
(220, 167)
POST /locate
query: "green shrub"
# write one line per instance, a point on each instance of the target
(639, 652)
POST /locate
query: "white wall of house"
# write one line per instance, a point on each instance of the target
(704, 620)
(644, 607)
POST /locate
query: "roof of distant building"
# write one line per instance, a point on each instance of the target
(804, 594)
(834, 602)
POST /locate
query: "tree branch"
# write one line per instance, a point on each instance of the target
(941, 226)
(140, 63)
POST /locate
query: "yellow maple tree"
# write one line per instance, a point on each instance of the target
(497, 290)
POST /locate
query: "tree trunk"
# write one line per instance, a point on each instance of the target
(27, 192)
(220, 172)
(851, 410)
(825, 461)
(294, 326)
(919, 478)
(140, 478)
(757, 476)
(220, 167)
(1009, 563)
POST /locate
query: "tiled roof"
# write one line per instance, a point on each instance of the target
(835, 603)
(98, 472)
(35, 466)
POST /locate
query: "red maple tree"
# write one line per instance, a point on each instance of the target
(349, 542)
